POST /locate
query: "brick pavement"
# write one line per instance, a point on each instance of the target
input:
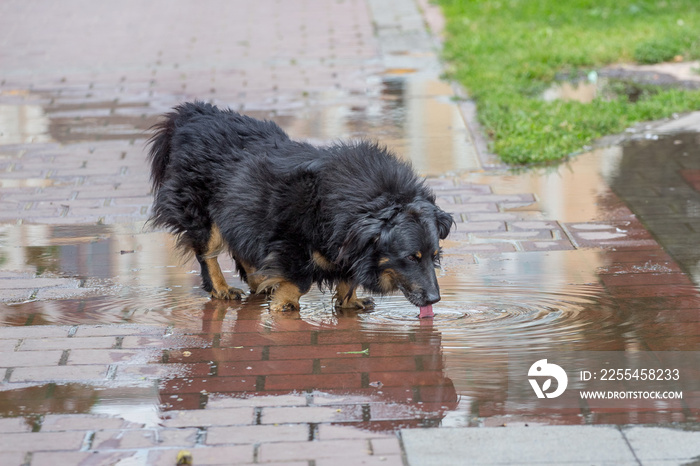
(79, 160)
(275, 422)
(84, 81)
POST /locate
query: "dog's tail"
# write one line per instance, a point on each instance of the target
(160, 142)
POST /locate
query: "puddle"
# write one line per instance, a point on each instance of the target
(44, 117)
(27, 183)
(492, 309)
(134, 404)
(495, 313)
(505, 295)
(450, 370)
(614, 83)
(122, 275)
(21, 124)
(574, 191)
(582, 91)
(658, 179)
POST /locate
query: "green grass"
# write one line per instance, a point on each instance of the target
(507, 52)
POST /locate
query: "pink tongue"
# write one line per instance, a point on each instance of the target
(426, 311)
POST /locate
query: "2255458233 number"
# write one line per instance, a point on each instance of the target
(639, 374)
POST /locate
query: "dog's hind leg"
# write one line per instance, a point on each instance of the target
(346, 298)
(280, 274)
(213, 279)
(284, 295)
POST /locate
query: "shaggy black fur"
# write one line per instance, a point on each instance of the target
(281, 204)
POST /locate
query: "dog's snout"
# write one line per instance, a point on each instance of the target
(432, 297)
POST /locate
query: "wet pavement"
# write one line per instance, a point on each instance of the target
(111, 353)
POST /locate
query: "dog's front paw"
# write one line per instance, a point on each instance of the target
(284, 306)
(367, 303)
(357, 303)
(227, 293)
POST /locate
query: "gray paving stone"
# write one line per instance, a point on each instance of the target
(59, 293)
(10, 295)
(660, 443)
(517, 445)
(32, 283)
(670, 463)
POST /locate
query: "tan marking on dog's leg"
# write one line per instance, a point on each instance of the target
(285, 297)
(321, 262)
(343, 301)
(216, 243)
(215, 246)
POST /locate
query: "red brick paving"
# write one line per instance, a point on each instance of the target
(291, 393)
(692, 176)
(217, 426)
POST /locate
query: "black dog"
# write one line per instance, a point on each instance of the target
(291, 214)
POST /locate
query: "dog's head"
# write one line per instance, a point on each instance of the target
(402, 250)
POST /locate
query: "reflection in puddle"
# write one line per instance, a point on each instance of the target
(575, 191)
(581, 91)
(659, 179)
(21, 124)
(133, 404)
(607, 88)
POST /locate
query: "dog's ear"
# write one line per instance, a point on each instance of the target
(444, 223)
(360, 236)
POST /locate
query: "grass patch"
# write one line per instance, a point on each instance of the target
(507, 52)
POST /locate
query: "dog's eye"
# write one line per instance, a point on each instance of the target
(413, 258)
(436, 257)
